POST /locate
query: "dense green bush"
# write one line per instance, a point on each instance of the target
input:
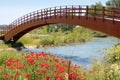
(113, 54)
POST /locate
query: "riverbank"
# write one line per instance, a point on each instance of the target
(67, 44)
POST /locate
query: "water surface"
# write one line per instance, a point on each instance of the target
(81, 54)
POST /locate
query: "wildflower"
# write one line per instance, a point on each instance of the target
(5, 76)
(27, 76)
(20, 66)
(44, 71)
(37, 57)
(60, 69)
(56, 75)
(45, 65)
(114, 66)
(42, 54)
(31, 61)
(60, 79)
(17, 73)
(91, 71)
(80, 78)
(8, 64)
(47, 77)
(56, 59)
(28, 57)
(11, 77)
(32, 54)
(1, 68)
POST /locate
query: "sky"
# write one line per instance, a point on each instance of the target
(13, 9)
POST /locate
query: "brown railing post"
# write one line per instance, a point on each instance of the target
(41, 15)
(94, 12)
(79, 11)
(87, 8)
(21, 20)
(37, 15)
(46, 12)
(103, 13)
(60, 12)
(113, 15)
(55, 12)
(27, 18)
(66, 11)
(72, 11)
(33, 16)
(50, 13)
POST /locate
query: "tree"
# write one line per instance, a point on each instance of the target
(113, 3)
(99, 8)
(63, 27)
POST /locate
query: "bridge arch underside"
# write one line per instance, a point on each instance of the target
(106, 26)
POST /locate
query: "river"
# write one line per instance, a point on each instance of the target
(81, 54)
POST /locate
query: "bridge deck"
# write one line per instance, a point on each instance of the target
(104, 19)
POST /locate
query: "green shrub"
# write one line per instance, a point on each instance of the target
(113, 54)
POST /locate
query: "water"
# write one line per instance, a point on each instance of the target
(81, 54)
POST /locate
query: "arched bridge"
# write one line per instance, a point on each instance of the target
(104, 19)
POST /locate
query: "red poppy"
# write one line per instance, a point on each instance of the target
(5, 76)
(31, 61)
(17, 73)
(47, 77)
(27, 76)
(59, 79)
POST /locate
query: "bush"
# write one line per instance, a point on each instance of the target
(113, 54)
(110, 68)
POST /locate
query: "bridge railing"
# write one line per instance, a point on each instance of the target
(87, 11)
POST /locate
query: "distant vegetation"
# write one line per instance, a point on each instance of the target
(59, 34)
(54, 35)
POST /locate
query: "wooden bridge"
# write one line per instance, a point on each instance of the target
(105, 19)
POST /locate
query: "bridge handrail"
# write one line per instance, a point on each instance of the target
(72, 10)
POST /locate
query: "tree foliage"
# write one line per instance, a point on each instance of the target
(98, 6)
(63, 27)
(113, 3)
